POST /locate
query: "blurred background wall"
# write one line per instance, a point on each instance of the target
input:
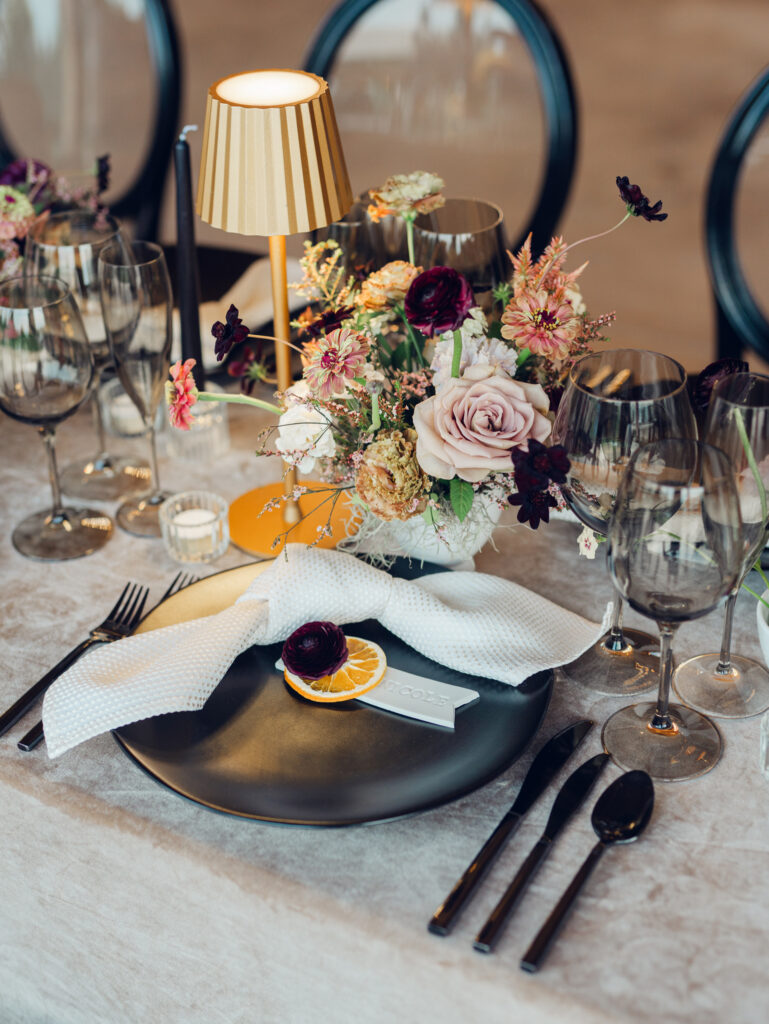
(656, 82)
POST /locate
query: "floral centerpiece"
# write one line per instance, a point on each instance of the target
(30, 190)
(427, 413)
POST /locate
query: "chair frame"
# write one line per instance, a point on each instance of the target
(142, 201)
(740, 322)
(556, 85)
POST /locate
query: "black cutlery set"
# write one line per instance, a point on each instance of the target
(620, 815)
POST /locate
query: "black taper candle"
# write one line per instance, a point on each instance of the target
(188, 284)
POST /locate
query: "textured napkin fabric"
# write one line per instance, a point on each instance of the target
(472, 622)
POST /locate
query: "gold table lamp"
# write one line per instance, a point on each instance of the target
(272, 164)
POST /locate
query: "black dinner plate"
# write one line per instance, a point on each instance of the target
(258, 750)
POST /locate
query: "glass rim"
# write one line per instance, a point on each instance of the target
(40, 226)
(497, 222)
(618, 401)
(151, 246)
(721, 384)
(49, 279)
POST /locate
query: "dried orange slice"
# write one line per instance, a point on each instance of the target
(365, 666)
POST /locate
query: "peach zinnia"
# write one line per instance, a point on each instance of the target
(181, 394)
(541, 322)
(335, 362)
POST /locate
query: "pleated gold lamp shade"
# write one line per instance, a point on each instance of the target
(271, 168)
(272, 164)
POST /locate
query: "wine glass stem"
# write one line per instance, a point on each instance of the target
(615, 640)
(154, 462)
(49, 440)
(98, 419)
(661, 720)
(724, 666)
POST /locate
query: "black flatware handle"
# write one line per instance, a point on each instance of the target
(444, 917)
(31, 739)
(18, 709)
(537, 951)
(497, 919)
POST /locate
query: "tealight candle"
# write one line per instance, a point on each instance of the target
(194, 526)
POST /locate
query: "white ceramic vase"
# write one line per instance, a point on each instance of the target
(454, 547)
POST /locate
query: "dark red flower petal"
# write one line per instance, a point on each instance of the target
(314, 650)
(438, 300)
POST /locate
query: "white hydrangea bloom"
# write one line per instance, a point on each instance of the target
(304, 432)
(476, 348)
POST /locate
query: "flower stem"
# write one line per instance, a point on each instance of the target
(523, 355)
(376, 419)
(409, 218)
(740, 423)
(282, 341)
(456, 359)
(208, 396)
(589, 238)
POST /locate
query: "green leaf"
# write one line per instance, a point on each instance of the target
(461, 494)
(495, 329)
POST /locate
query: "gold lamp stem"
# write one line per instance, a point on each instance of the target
(291, 512)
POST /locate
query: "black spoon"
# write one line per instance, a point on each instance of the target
(620, 815)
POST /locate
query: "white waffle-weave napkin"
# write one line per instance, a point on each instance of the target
(472, 622)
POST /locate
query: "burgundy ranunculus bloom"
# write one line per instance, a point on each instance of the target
(315, 650)
(713, 374)
(438, 300)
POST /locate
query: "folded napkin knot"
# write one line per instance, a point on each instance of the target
(478, 624)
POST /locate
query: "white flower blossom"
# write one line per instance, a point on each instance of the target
(304, 432)
(476, 348)
(588, 545)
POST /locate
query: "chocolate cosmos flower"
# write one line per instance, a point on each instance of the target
(438, 300)
(713, 374)
(230, 333)
(102, 173)
(315, 650)
(328, 321)
(537, 467)
(636, 201)
(534, 506)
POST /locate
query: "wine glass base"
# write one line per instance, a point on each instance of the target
(141, 518)
(742, 693)
(635, 669)
(72, 533)
(690, 749)
(106, 478)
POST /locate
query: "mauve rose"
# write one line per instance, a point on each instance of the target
(470, 426)
(438, 300)
(315, 650)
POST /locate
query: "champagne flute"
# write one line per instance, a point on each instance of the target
(615, 402)
(46, 373)
(724, 684)
(136, 303)
(67, 245)
(675, 550)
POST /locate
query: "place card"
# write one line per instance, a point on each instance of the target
(413, 696)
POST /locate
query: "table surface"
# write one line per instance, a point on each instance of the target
(120, 900)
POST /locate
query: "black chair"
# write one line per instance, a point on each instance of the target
(554, 82)
(740, 323)
(140, 201)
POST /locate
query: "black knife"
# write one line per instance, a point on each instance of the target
(545, 766)
(570, 798)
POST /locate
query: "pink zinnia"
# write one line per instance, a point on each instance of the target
(541, 322)
(181, 394)
(336, 360)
